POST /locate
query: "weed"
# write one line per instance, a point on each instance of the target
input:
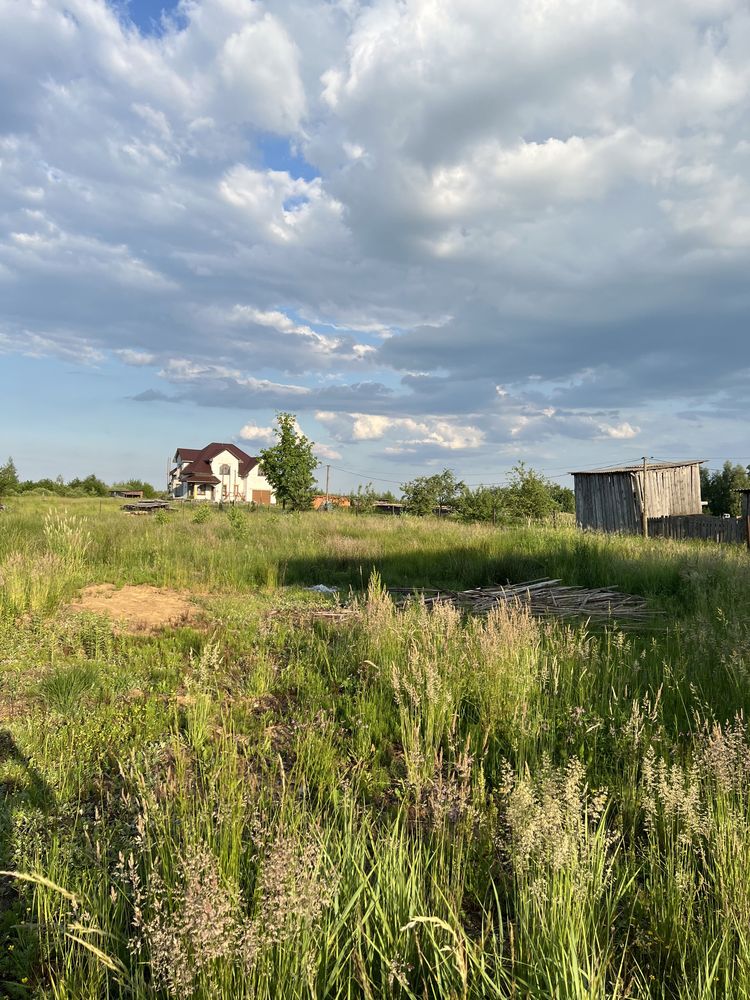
(64, 687)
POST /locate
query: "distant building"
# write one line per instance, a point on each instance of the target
(219, 472)
(127, 494)
(333, 501)
(611, 499)
(388, 507)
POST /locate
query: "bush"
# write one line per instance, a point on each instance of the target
(201, 514)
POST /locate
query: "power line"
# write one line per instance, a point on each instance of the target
(488, 479)
(475, 475)
(366, 475)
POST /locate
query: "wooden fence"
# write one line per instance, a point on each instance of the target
(711, 529)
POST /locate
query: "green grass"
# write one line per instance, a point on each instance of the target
(405, 804)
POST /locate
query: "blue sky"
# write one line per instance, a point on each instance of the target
(444, 234)
(147, 14)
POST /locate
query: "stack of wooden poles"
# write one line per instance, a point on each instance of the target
(543, 598)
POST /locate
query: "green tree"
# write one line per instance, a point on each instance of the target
(91, 486)
(43, 486)
(426, 493)
(719, 488)
(528, 494)
(363, 501)
(485, 503)
(8, 478)
(289, 465)
(564, 497)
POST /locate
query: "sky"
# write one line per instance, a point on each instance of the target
(444, 233)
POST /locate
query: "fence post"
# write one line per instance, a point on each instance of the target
(747, 530)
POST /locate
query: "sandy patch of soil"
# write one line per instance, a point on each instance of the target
(141, 609)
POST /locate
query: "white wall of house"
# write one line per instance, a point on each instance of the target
(231, 487)
(258, 483)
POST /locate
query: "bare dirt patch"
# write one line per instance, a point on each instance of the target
(142, 609)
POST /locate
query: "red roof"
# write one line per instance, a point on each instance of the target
(199, 468)
(187, 454)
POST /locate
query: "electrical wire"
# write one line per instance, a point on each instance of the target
(489, 480)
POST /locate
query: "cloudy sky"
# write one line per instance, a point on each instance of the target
(442, 232)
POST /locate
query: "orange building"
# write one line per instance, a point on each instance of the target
(335, 501)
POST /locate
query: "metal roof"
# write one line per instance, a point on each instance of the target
(638, 467)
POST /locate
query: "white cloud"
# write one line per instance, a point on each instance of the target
(436, 432)
(261, 435)
(259, 73)
(326, 452)
(622, 431)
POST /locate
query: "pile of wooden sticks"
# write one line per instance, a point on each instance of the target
(543, 598)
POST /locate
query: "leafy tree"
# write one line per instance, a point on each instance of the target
(8, 478)
(425, 493)
(719, 488)
(564, 497)
(528, 493)
(485, 503)
(91, 486)
(363, 501)
(43, 486)
(289, 465)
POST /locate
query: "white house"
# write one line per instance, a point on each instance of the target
(218, 472)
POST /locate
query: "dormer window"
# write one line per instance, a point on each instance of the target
(224, 470)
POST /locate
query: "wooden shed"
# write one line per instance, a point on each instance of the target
(745, 498)
(611, 499)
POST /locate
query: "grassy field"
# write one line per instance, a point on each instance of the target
(257, 803)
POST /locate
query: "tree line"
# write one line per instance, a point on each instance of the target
(526, 494)
(89, 486)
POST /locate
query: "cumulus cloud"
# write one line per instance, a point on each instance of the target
(257, 435)
(621, 431)
(326, 452)
(447, 227)
(409, 432)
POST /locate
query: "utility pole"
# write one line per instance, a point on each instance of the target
(644, 511)
(328, 474)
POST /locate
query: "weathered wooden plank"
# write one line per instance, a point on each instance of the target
(700, 526)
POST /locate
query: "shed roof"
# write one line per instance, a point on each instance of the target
(638, 467)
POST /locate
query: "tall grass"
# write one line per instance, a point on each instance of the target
(409, 804)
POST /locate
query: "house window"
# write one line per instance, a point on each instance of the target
(224, 470)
